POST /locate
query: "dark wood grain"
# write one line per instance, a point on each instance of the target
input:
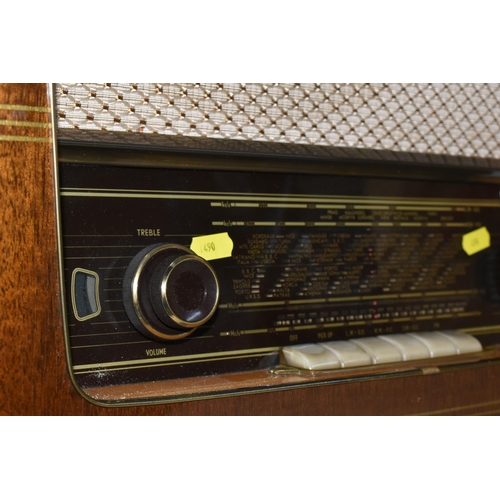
(33, 374)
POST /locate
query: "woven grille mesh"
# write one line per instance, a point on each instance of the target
(456, 119)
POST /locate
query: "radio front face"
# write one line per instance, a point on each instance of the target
(187, 282)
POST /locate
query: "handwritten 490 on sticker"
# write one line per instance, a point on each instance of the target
(475, 241)
(212, 246)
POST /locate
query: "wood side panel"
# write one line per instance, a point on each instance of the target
(33, 373)
(31, 376)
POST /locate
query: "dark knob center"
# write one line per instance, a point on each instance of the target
(189, 290)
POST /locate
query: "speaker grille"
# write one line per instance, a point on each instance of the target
(456, 119)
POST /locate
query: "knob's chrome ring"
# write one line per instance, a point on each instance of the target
(135, 293)
(164, 297)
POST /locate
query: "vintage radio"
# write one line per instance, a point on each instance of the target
(194, 268)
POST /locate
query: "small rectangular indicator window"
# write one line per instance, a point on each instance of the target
(85, 294)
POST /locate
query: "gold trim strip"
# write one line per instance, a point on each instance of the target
(286, 205)
(492, 412)
(455, 408)
(345, 299)
(20, 107)
(372, 207)
(108, 345)
(123, 193)
(482, 330)
(22, 138)
(435, 294)
(251, 332)
(330, 207)
(16, 123)
(178, 363)
(103, 257)
(430, 208)
(153, 361)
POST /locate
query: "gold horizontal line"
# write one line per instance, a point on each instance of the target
(286, 205)
(179, 362)
(104, 257)
(326, 207)
(426, 209)
(20, 107)
(480, 328)
(22, 138)
(371, 297)
(104, 246)
(344, 299)
(79, 335)
(371, 207)
(250, 332)
(107, 345)
(174, 358)
(433, 294)
(202, 195)
(17, 123)
(110, 322)
(492, 412)
(94, 235)
(455, 408)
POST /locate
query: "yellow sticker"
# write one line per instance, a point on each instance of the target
(213, 246)
(475, 241)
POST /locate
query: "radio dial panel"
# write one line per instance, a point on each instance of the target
(301, 252)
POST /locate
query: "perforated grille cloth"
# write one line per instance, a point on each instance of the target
(456, 119)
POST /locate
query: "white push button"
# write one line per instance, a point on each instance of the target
(349, 354)
(463, 342)
(438, 345)
(379, 350)
(311, 357)
(409, 347)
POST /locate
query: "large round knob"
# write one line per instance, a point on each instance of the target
(168, 291)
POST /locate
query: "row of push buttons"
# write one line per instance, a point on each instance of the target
(382, 349)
